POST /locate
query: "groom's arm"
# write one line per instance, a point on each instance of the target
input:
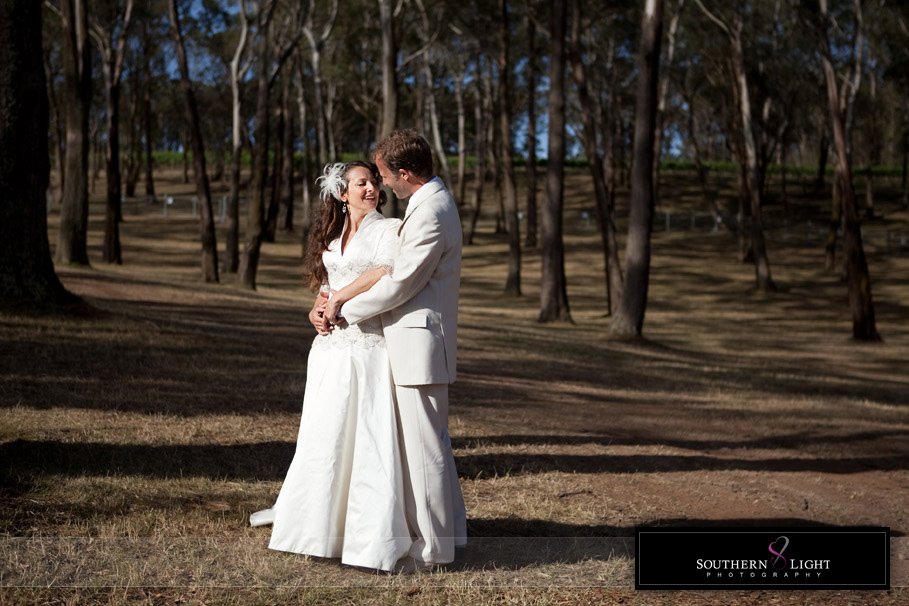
(415, 263)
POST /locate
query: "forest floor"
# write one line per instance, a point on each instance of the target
(135, 442)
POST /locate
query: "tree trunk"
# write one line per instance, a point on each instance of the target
(553, 284)
(513, 279)
(112, 48)
(255, 219)
(232, 238)
(59, 132)
(823, 153)
(833, 227)
(758, 246)
(147, 116)
(663, 93)
(630, 318)
(434, 122)
(27, 276)
(857, 276)
(530, 240)
(274, 199)
(904, 174)
(203, 191)
(72, 241)
(601, 202)
(286, 200)
(479, 180)
(306, 219)
(389, 70)
(462, 139)
(110, 249)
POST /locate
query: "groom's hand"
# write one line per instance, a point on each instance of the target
(333, 307)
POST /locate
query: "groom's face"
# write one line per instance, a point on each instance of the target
(391, 179)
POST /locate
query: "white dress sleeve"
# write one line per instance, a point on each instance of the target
(387, 247)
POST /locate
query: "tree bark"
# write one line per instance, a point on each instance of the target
(530, 240)
(203, 191)
(255, 219)
(823, 153)
(112, 46)
(59, 131)
(147, 115)
(663, 94)
(462, 139)
(602, 201)
(274, 198)
(306, 219)
(27, 277)
(72, 241)
(758, 246)
(858, 278)
(629, 321)
(553, 284)
(389, 70)
(481, 103)
(286, 199)
(237, 71)
(389, 119)
(513, 278)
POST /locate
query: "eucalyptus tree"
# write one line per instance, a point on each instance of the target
(553, 283)
(276, 41)
(110, 23)
(239, 66)
(193, 124)
(581, 53)
(732, 23)
(861, 302)
(429, 32)
(629, 321)
(27, 277)
(72, 240)
(531, 71)
(503, 59)
(318, 36)
(389, 65)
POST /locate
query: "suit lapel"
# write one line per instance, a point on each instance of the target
(432, 188)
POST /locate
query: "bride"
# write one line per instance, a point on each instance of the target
(343, 493)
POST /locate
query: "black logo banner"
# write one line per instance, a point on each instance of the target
(762, 558)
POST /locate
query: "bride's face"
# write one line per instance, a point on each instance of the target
(362, 191)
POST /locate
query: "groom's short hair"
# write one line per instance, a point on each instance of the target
(406, 149)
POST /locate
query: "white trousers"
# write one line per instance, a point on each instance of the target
(434, 506)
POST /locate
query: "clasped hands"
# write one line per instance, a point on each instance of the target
(324, 314)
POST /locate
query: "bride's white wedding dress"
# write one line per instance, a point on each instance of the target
(343, 495)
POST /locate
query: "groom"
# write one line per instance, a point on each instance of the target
(418, 304)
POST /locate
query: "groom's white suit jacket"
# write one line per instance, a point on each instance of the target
(419, 301)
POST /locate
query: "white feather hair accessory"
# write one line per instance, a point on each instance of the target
(332, 183)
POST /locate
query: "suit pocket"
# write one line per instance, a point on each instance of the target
(417, 320)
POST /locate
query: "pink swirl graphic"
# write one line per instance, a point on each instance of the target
(779, 554)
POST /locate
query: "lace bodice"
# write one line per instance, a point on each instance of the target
(374, 245)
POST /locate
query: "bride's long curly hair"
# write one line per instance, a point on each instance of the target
(332, 185)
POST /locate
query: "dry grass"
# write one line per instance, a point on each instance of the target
(135, 443)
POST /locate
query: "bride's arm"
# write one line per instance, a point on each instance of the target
(363, 283)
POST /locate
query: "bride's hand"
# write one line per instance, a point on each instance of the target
(317, 316)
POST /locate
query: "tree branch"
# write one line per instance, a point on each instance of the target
(722, 24)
